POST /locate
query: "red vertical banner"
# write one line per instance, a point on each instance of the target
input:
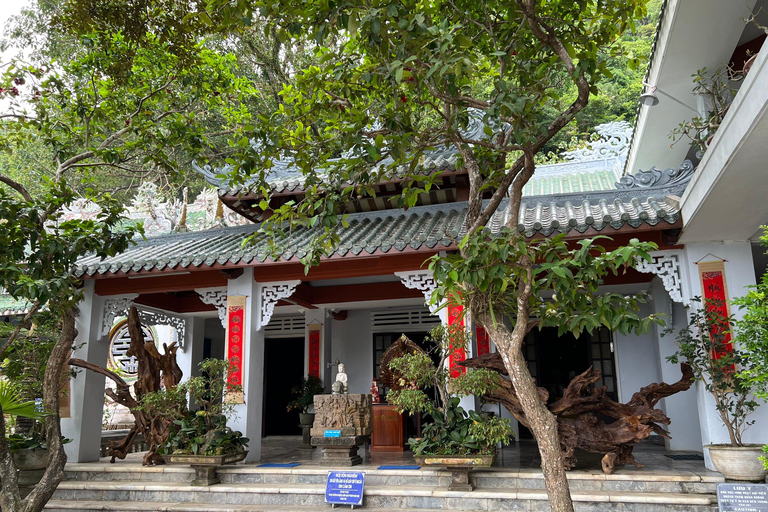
(715, 293)
(483, 341)
(313, 367)
(456, 320)
(236, 346)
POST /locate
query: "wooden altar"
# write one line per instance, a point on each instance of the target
(389, 434)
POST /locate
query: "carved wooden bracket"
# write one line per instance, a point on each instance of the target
(216, 297)
(271, 293)
(666, 265)
(423, 281)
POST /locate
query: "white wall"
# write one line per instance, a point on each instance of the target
(352, 344)
(739, 273)
(636, 358)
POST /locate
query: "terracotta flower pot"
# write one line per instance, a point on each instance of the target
(739, 462)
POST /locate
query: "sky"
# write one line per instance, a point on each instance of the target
(8, 8)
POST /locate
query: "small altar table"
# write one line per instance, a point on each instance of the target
(389, 433)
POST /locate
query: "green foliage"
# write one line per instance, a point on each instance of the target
(417, 370)
(475, 381)
(12, 403)
(27, 358)
(37, 263)
(114, 114)
(202, 434)
(721, 366)
(454, 432)
(752, 332)
(204, 431)
(487, 275)
(718, 88)
(305, 393)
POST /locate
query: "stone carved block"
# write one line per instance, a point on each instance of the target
(351, 414)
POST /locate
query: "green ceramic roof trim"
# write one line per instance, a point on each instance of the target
(384, 232)
(10, 306)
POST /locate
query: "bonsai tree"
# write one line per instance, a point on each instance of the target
(305, 394)
(204, 430)
(452, 430)
(718, 89)
(723, 367)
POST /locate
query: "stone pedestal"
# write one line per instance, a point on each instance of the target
(342, 424)
(341, 451)
(205, 475)
(306, 438)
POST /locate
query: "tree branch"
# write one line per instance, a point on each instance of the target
(18, 187)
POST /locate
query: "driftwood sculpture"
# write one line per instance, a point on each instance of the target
(153, 369)
(581, 411)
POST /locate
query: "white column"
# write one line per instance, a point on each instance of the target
(681, 408)
(86, 394)
(191, 356)
(247, 416)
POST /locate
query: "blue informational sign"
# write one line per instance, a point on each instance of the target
(345, 488)
(332, 433)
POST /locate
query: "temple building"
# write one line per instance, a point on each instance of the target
(704, 211)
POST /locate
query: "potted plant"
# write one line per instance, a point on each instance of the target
(710, 345)
(305, 393)
(752, 337)
(30, 454)
(201, 437)
(454, 438)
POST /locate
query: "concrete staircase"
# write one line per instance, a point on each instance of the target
(129, 487)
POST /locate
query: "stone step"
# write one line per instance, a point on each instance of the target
(495, 478)
(153, 506)
(416, 497)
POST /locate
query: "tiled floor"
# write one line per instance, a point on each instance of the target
(519, 455)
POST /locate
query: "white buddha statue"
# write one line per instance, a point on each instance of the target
(342, 377)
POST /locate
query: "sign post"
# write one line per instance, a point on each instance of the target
(742, 497)
(345, 488)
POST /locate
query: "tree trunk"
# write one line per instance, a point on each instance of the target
(541, 422)
(10, 499)
(153, 368)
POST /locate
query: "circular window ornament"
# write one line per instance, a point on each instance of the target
(120, 343)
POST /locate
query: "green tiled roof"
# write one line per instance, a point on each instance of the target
(10, 306)
(385, 232)
(604, 179)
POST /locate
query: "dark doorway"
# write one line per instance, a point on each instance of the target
(555, 360)
(283, 370)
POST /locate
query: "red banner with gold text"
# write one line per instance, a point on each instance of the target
(715, 293)
(483, 341)
(236, 346)
(456, 318)
(314, 350)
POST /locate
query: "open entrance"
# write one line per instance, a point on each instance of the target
(283, 370)
(555, 360)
